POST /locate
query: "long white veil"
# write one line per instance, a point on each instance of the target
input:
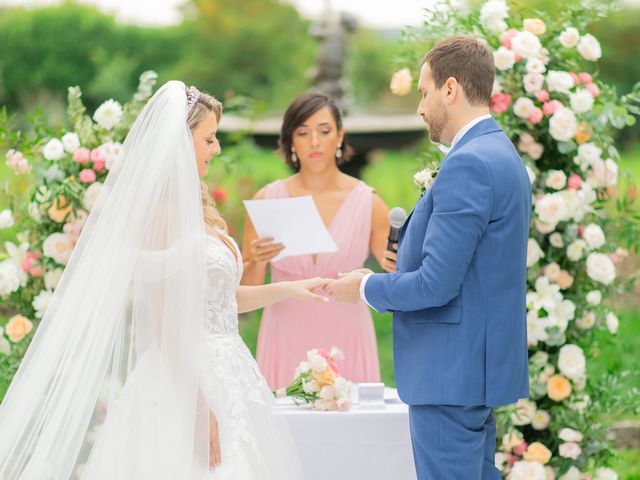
(109, 387)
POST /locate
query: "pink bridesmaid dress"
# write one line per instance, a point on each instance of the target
(291, 327)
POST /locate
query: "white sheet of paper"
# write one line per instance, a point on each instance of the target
(294, 222)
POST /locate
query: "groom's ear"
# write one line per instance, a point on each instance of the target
(452, 90)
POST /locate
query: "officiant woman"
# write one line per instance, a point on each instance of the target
(312, 142)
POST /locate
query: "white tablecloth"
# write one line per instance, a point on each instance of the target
(361, 444)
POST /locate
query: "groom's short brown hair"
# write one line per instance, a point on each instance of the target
(469, 61)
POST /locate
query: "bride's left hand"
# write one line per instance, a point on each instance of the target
(303, 289)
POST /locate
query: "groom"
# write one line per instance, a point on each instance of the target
(458, 296)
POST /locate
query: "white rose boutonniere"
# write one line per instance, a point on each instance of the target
(425, 178)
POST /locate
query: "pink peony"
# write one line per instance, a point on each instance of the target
(585, 78)
(82, 155)
(96, 155)
(98, 165)
(87, 176)
(549, 108)
(36, 271)
(500, 102)
(506, 37)
(574, 182)
(543, 96)
(520, 449)
(536, 116)
(593, 89)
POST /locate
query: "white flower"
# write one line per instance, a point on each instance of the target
(605, 474)
(580, 404)
(58, 246)
(556, 179)
(589, 48)
(533, 82)
(588, 154)
(9, 278)
(317, 361)
(537, 328)
(570, 435)
(611, 172)
(501, 460)
(594, 297)
(424, 179)
(575, 250)
(492, 15)
(559, 81)
(572, 474)
(544, 228)
(597, 177)
(534, 25)
(571, 362)
(91, 195)
(555, 239)
(570, 450)
(534, 252)
(552, 271)
(342, 387)
(541, 420)
(53, 150)
(401, 82)
(600, 268)
(594, 236)
(52, 278)
(312, 386)
(581, 101)
(535, 151)
(108, 115)
(552, 209)
(563, 125)
(586, 321)
(110, 152)
(17, 255)
(612, 323)
(535, 65)
(524, 470)
(526, 44)
(326, 392)
(71, 142)
(504, 58)
(569, 38)
(523, 107)
(6, 219)
(525, 411)
(41, 302)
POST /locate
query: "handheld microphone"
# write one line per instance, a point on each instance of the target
(397, 217)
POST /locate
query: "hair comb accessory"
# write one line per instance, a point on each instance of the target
(192, 97)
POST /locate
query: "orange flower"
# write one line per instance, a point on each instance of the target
(18, 327)
(537, 452)
(583, 133)
(326, 377)
(558, 388)
(565, 280)
(60, 209)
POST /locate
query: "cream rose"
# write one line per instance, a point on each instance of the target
(569, 38)
(90, 195)
(570, 435)
(552, 209)
(526, 44)
(401, 82)
(558, 81)
(612, 323)
(541, 420)
(41, 302)
(504, 58)
(563, 125)
(556, 179)
(18, 327)
(572, 362)
(59, 247)
(555, 239)
(581, 101)
(534, 25)
(589, 48)
(534, 252)
(601, 268)
(523, 107)
(525, 411)
(524, 470)
(594, 236)
(575, 250)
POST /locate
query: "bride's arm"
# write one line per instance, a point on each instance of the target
(253, 297)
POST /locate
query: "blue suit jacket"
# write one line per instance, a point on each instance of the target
(458, 296)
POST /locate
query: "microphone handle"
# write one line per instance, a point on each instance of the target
(394, 234)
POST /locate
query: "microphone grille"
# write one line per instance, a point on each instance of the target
(397, 217)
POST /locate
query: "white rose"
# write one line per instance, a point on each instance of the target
(556, 179)
(589, 48)
(552, 209)
(575, 250)
(572, 474)
(492, 15)
(569, 38)
(504, 58)
(597, 177)
(326, 392)
(544, 228)
(581, 101)
(533, 82)
(559, 81)
(311, 386)
(524, 470)
(6, 219)
(541, 420)
(53, 150)
(41, 302)
(108, 115)
(570, 435)
(317, 361)
(525, 411)
(611, 172)
(401, 82)
(526, 44)
(342, 387)
(535, 151)
(594, 236)
(588, 154)
(71, 142)
(91, 195)
(555, 239)
(52, 278)
(9, 278)
(563, 125)
(535, 65)
(612, 323)
(552, 271)
(594, 297)
(110, 152)
(571, 362)
(534, 252)
(586, 321)
(605, 474)
(523, 107)
(58, 246)
(600, 268)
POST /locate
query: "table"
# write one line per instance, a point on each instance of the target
(360, 444)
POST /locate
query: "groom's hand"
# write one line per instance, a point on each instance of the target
(347, 287)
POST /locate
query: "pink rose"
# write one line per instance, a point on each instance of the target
(576, 78)
(36, 271)
(334, 367)
(500, 102)
(543, 96)
(323, 353)
(549, 108)
(574, 182)
(518, 58)
(96, 155)
(87, 176)
(580, 230)
(520, 449)
(593, 89)
(82, 155)
(536, 116)
(506, 37)
(585, 78)
(28, 262)
(98, 165)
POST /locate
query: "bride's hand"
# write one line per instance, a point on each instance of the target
(215, 458)
(303, 289)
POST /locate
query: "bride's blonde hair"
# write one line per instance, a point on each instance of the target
(204, 104)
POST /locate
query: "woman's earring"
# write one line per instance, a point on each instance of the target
(339, 152)
(294, 157)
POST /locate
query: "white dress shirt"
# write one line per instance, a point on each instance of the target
(443, 148)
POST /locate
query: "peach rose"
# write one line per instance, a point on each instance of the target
(558, 387)
(537, 452)
(534, 25)
(18, 327)
(565, 280)
(60, 209)
(325, 377)
(401, 82)
(583, 134)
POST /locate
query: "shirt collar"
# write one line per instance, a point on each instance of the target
(462, 132)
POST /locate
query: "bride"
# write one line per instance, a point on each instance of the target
(137, 370)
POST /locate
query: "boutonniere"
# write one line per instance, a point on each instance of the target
(425, 178)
